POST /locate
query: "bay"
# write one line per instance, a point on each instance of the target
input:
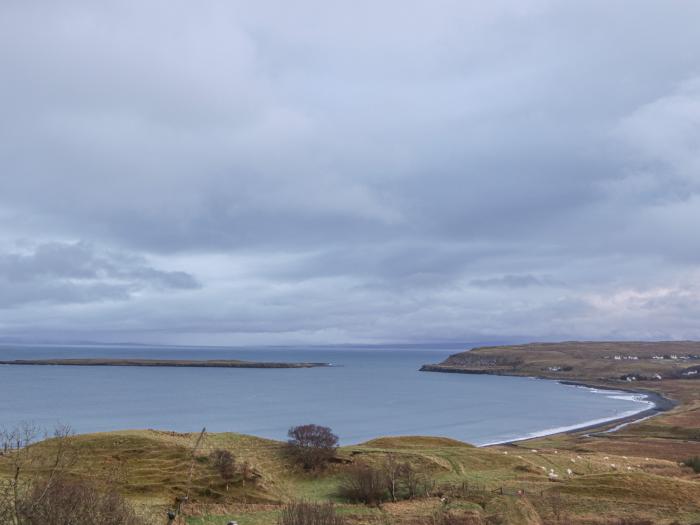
(370, 391)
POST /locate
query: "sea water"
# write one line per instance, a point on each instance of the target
(367, 392)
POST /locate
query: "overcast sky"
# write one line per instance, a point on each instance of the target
(238, 172)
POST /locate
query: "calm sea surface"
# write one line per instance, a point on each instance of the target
(369, 392)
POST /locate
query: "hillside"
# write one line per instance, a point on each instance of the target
(151, 468)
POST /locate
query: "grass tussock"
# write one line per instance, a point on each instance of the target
(309, 513)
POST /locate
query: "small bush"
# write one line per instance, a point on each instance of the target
(364, 484)
(309, 513)
(312, 445)
(693, 463)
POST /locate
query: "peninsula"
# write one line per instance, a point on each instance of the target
(218, 363)
(668, 373)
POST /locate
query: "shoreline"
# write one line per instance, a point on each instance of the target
(660, 404)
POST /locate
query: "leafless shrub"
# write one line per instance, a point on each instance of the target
(309, 513)
(248, 472)
(25, 464)
(224, 463)
(364, 484)
(392, 473)
(403, 481)
(312, 445)
(76, 503)
(415, 483)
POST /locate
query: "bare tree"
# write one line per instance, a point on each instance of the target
(402, 479)
(225, 464)
(247, 472)
(32, 470)
(312, 445)
(392, 474)
(364, 484)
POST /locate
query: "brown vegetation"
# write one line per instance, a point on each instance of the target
(364, 484)
(76, 503)
(309, 513)
(39, 491)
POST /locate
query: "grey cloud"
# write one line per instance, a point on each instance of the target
(345, 171)
(60, 272)
(515, 281)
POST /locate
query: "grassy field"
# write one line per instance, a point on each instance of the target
(151, 468)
